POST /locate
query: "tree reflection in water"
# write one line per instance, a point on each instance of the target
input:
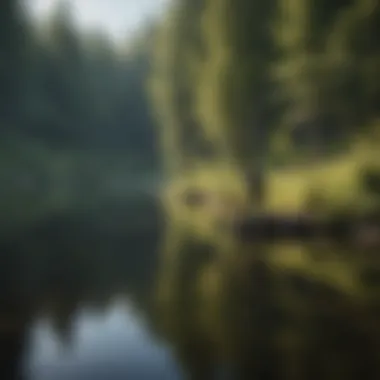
(268, 312)
(65, 262)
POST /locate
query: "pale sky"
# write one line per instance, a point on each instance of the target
(118, 17)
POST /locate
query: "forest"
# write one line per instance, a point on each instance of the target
(75, 116)
(265, 103)
(72, 90)
(298, 69)
(203, 84)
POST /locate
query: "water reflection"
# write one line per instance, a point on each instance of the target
(114, 343)
(60, 274)
(215, 309)
(13, 335)
(270, 312)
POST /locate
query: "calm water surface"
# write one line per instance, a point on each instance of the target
(115, 344)
(280, 313)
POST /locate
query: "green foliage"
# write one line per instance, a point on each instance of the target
(239, 54)
(179, 50)
(258, 70)
(75, 117)
(71, 90)
(327, 57)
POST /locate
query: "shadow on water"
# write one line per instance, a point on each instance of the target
(84, 296)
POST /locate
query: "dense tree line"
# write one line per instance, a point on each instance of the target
(301, 72)
(229, 79)
(73, 90)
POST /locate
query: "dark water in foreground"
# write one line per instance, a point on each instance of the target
(115, 344)
(190, 310)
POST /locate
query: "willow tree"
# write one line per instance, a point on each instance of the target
(234, 90)
(179, 49)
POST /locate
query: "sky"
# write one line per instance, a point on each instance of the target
(118, 17)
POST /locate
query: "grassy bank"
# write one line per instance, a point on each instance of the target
(340, 184)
